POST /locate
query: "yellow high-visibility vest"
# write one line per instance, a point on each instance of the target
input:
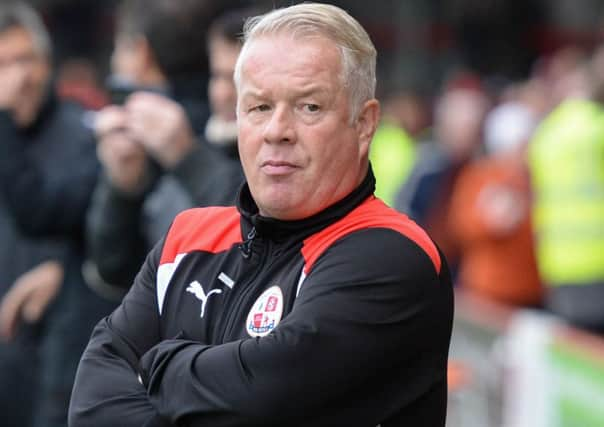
(392, 155)
(566, 160)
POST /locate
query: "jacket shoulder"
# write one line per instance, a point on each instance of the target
(372, 213)
(211, 229)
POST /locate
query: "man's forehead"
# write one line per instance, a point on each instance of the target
(310, 89)
(284, 53)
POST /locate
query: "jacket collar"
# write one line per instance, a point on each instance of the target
(278, 229)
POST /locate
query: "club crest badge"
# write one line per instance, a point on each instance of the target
(266, 313)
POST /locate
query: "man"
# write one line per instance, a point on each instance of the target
(154, 166)
(311, 303)
(31, 273)
(47, 171)
(224, 45)
(160, 45)
(489, 214)
(426, 193)
(566, 165)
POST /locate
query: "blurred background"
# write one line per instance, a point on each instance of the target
(487, 106)
(419, 42)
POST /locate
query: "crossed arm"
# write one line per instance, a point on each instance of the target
(352, 349)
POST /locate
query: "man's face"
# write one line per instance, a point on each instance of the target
(299, 151)
(222, 92)
(25, 71)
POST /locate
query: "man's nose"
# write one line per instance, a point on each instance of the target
(280, 127)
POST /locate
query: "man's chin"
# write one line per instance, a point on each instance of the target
(287, 210)
(278, 209)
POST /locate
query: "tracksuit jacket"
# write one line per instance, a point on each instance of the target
(235, 319)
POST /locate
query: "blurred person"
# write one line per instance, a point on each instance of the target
(409, 110)
(533, 93)
(392, 156)
(31, 272)
(224, 45)
(258, 314)
(457, 138)
(160, 46)
(490, 212)
(48, 168)
(566, 160)
(563, 74)
(155, 165)
(393, 149)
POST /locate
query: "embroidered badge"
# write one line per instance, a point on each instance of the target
(266, 313)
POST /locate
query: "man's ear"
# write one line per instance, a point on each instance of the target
(367, 122)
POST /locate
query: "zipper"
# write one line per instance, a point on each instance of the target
(245, 289)
(246, 246)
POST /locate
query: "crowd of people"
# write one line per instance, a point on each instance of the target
(85, 195)
(507, 179)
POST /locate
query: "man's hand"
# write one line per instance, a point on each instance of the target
(157, 358)
(122, 156)
(29, 297)
(161, 126)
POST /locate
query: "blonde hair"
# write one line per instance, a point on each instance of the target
(358, 55)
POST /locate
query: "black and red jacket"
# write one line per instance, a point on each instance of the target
(341, 319)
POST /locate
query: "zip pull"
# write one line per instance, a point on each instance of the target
(246, 246)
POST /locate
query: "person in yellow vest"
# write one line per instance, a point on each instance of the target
(392, 156)
(566, 160)
(394, 146)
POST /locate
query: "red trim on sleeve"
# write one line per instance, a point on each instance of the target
(213, 229)
(372, 213)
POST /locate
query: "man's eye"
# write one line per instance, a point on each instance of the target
(260, 108)
(311, 108)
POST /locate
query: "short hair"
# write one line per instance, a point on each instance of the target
(15, 14)
(357, 52)
(176, 31)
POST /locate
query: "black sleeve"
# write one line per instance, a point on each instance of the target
(209, 176)
(107, 391)
(114, 236)
(41, 202)
(368, 334)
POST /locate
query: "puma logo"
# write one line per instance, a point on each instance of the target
(196, 289)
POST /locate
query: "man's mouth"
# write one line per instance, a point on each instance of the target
(278, 167)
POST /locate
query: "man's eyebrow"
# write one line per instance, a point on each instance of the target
(253, 93)
(311, 90)
(296, 94)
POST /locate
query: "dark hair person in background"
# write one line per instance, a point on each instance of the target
(161, 45)
(224, 45)
(156, 161)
